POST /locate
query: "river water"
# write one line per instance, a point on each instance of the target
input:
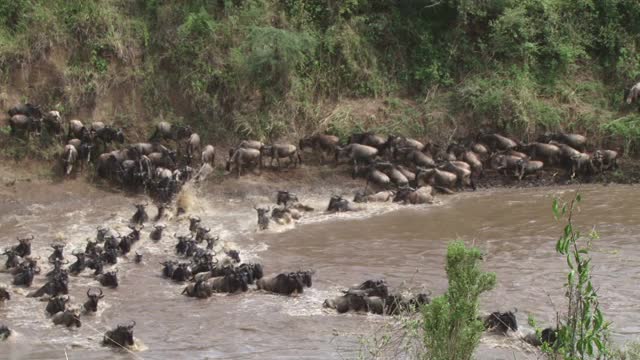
(404, 245)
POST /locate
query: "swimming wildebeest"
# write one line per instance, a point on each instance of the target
(501, 322)
(140, 216)
(286, 283)
(93, 297)
(5, 332)
(57, 304)
(121, 336)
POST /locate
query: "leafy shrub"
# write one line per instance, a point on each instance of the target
(452, 329)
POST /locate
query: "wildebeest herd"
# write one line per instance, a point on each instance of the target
(396, 168)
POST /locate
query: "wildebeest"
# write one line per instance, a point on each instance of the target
(79, 265)
(368, 139)
(23, 248)
(242, 158)
(57, 304)
(68, 318)
(633, 94)
(361, 196)
(208, 155)
(286, 283)
(55, 286)
(108, 134)
(168, 267)
(5, 332)
(24, 275)
(77, 130)
(526, 167)
(407, 195)
(547, 336)
(263, 217)
(27, 109)
(326, 144)
(69, 158)
(497, 141)
(156, 233)
(358, 154)
(52, 122)
(4, 294)
(25, 124)
(93, 297)
(285, 197)
(13, 260)
(140, 216)
(278, 151)
(501, 322)
(182, 272)
(339, 204)
(109, 279)
(121, 336)
(57, 253)
(167, 131)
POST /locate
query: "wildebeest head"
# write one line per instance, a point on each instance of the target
(201, 233)
(263, 218)
(5, 332)
(285, 197)
(304, 277)
(156, 233)
(140, 215)
(168, 267)
(138, 258)
(337, 204)
(234, 255)
(80, 263)
(109, 279)
(57, 253)
(194, 221)
(57, 304)
(211, 241)
(93, 297)
(4, 294)
(109, 255)
(91, 249)
(24, 247)
(182, 272)
(121, 336)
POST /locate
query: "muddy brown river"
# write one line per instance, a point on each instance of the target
(404, 245)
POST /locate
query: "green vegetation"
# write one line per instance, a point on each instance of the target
(583, 333)
(270, 68)
(451, 323)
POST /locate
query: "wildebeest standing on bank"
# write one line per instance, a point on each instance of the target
(326, 144)
(69, 158)
(242, 158)
(633, 94)
(167, 131)
(25, 124)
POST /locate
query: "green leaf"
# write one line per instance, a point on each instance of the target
(578, 197)
(554, 208)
